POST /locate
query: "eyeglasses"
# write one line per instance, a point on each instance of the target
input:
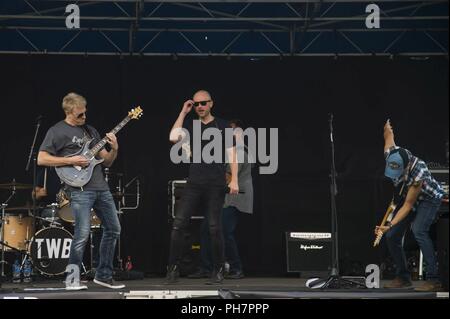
(79, 116)
(202, 103)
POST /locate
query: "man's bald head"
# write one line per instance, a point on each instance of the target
(203, 103)
(202, 95)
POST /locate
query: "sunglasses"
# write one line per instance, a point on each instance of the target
(202, 103)
(79, 116)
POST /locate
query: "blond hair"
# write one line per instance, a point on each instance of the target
(72, 100)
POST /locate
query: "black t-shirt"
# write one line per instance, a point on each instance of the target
(63, 139)
(207, 173)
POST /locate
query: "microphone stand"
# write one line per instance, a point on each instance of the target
(32, 156)
(334, 280)
(334, 273)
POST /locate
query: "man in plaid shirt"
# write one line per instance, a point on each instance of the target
(421, 195)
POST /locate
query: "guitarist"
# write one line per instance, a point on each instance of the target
(65, 138)
(421, 196)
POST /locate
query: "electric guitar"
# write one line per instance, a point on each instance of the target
(77, 176)
(387, 217)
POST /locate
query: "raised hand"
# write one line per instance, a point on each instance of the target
(187, 106)
(388, 130)
(388, 135)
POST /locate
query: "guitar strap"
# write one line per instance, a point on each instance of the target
(87, 130)
(410, 168)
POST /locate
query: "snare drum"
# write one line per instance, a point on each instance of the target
(65, 212)
(50, 250)
(18, 230)
(49, 215)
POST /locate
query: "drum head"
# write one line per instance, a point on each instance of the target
(66, 214)
(50, 250)
(50, 212)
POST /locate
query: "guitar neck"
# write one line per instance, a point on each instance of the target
(390, 209)
(93, 151)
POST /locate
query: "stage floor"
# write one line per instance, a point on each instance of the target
(257, 287)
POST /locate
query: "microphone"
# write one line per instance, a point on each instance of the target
(39, 119)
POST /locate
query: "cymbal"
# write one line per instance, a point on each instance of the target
(15, 185)
(18, 208)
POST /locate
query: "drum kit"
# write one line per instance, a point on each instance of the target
(42, 234)
(37, 234)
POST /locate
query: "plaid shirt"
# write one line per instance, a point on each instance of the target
(431, 189)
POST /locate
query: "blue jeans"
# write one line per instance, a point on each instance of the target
(103, 203)
(421, 222)
(96, 240)
(230, 217)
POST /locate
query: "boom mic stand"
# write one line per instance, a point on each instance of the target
(32, 156)
(334, 280)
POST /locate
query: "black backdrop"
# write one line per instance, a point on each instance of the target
(293, 95)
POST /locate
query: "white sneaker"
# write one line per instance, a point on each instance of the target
(76, 287)
(109, 283)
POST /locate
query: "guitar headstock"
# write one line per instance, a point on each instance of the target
(136, 113)
(378, 239)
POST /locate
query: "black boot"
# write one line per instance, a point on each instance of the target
(216, 277)
(200, 273)
(172, 274)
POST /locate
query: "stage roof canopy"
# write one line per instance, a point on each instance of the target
(209, 28)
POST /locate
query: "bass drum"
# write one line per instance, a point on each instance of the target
(50, 250)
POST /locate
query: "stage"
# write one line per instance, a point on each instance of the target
(247, 288)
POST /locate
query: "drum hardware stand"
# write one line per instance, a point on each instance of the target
(2, 236)
(53, 221)
(138, 195)
(91, 239)
(91, 248)
(120, 201)
(121, 207)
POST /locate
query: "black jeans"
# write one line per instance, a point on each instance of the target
(194, 196)
(230, 216)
